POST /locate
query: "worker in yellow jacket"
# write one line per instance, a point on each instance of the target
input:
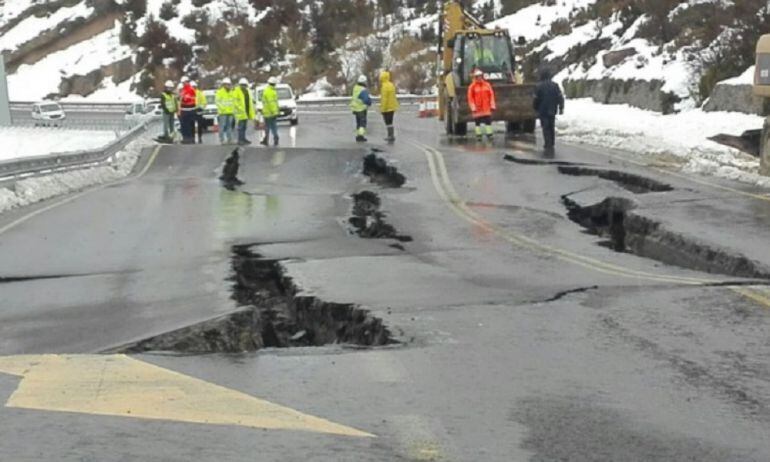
(244, 109)
(388, 104)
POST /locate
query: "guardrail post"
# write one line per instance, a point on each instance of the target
(5, 105)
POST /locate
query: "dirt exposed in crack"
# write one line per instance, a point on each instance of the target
(229, 176)
(368, 221)
(527, 161)
(637, 184)
(626, 231)
(381, 173)
(273, 315)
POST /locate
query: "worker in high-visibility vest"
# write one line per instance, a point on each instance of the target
(200, 106)
(244, 109)
(481, 99)
(270, 111)
(169, 105)
(187, 100)
(359, 104)
(226, 111)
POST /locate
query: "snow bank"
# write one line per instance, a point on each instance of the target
(32, 190)
(32, 26)
(34, 82)
(31, 142)
(535, 21)
(678, 139)
(747, 78)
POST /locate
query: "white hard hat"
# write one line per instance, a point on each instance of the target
(362, 79)
(185, 79)
(478, 72)
(194, 83)
(169, 84)
(243, 81)
(272, 81)
(227, 81)
(180, 86)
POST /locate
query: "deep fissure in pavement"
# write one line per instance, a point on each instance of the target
(637, 184)
(368, 221)
(629, 232)
(229, 176)
(382, 173)
(273, 315)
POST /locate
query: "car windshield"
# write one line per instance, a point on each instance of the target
(489, 53)
(50, 108)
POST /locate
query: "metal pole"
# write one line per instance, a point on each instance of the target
(5, 108)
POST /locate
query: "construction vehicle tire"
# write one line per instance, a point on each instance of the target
(528, 126)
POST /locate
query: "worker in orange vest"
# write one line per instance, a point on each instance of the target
(481, 98)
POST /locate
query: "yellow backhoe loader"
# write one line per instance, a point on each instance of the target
(466, 45)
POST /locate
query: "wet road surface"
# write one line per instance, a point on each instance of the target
(521, 338)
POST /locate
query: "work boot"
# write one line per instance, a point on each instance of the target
(264, 141)
(490, 136)
(361, 139)
(275, 142)
(391, 135)
(479, 138)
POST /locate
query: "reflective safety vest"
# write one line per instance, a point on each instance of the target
(242, 110)
(270, 107)
(225, 101)
(200, 99)
(170, 103)
(356, 105)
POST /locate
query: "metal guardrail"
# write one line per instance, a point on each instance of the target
(103, 124)
(67, 161)
(77, 106)
(339, 101)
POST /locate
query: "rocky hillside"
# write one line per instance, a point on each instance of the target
(662, 55)
(105, 49)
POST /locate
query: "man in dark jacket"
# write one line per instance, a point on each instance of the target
(548, 101)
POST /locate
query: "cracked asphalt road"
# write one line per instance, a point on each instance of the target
(521, 337)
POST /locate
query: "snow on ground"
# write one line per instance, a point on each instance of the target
(13, 8)
(109, 92)
(34, 82)
(33, 26)
(31, 142)
(747, 78)
(679, 139)
(535, 21)
(36, 189)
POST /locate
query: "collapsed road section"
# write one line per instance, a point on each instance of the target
(273, 314)
(627, 231)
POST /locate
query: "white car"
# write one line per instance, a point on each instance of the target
(47, 113)
(138, 111)
(286, 102)
(155, 109)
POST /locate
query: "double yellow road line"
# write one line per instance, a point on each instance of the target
(445, 189)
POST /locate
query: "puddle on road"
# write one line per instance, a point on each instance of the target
(273, 315)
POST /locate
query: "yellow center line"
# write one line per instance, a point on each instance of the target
(445, 189)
